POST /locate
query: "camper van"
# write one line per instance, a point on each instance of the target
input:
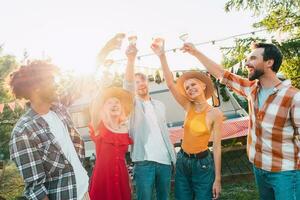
(235, 124)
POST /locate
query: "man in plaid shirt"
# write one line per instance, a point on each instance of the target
(45, 145)
(274, 111)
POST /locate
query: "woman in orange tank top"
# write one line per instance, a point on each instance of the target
(198, 175)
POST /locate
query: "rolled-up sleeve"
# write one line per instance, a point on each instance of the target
(24, 153)
(240, 85)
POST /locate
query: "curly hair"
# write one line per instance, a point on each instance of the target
(28, 77)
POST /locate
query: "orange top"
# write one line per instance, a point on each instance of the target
(196, 133)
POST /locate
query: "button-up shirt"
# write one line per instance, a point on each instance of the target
(273, 128)
(39, 158)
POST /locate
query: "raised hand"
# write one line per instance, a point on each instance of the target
(189, 48)
(112, 44)
(131, 52)
(158, 46)
(115, 42)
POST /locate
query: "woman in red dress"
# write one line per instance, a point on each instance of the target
(109, 131)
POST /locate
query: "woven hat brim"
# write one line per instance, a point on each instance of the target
(197, 75)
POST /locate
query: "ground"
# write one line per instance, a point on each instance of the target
(244, 189)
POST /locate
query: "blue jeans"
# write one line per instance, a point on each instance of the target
(149, 175)
(194, 178)
(283, 185)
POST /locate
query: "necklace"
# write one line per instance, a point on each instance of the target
(200, 107)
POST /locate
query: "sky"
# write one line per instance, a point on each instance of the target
(71, 33)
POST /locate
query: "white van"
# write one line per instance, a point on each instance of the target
(235, 124)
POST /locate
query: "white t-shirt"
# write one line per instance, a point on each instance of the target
(155, 146)
(59, 130)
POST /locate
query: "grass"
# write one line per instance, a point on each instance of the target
(242, 189)
(12, 185)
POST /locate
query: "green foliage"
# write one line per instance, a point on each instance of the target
(12, 185)
(242, 101)
(260, 7)
(7, 117)
(223, 93)
(237, 53)
(7, 65)
(158, 79)
(281, 16)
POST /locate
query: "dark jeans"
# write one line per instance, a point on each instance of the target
(194, 178)
(283, 185)
(149, 175)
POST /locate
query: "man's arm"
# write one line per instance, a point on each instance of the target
(82, 83)
(213, 68)
(131, 53)
(112, 44)
(24, 153)
(238, 84)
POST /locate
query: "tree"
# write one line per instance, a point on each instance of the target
(278, 16)
(7, 118)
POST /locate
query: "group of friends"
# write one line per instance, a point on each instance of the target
(48, 150)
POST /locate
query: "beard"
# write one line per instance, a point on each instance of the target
(143, 92)
(256, 74)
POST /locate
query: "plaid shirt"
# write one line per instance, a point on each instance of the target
(40, 159)
(273, 143)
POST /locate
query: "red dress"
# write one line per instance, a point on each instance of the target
(110, 180)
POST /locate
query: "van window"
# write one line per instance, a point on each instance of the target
(81, 118)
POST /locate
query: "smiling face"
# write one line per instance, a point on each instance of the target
(141, 86)
(255, 64)
(194, 88)
(112, 107)
(47, 90)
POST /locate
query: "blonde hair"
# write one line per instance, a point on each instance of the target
(99, 114)
(197, 81)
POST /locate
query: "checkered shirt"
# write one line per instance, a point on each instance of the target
(40, 159)
(273, 135)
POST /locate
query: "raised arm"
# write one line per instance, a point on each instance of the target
(131, 55)
(80, 84)
(212, 67)
(112, 44)
(159, 51)
(128, 83)
(241, 86)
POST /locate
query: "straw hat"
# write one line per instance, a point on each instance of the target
(197, 75)
(125, 97)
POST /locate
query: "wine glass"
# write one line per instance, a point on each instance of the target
(159, 41)
(132, 38)
(183, 37)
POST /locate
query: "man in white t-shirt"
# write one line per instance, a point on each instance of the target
(45, 145)
(152, 151)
